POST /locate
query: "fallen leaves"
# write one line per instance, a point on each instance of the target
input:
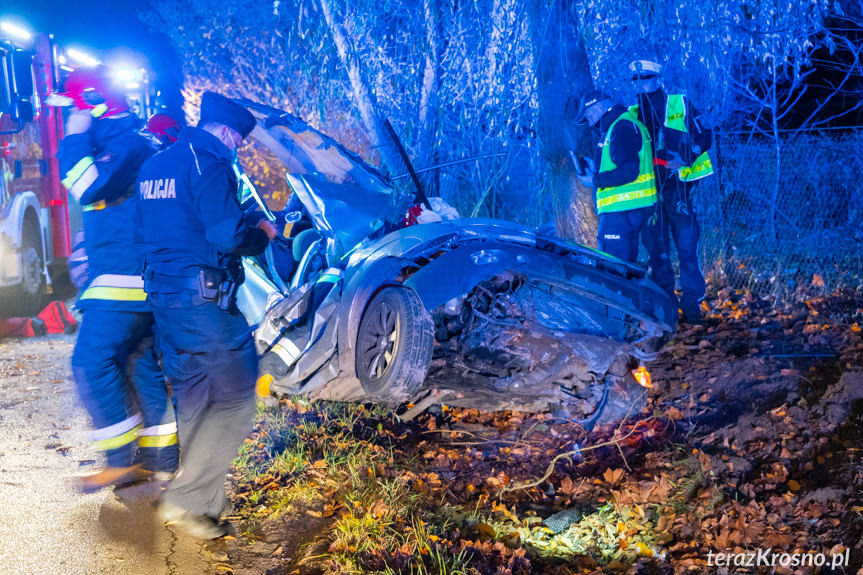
(748, 447)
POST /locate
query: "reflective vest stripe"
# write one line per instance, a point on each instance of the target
(675, 119)
(116, 287)
(638, 193)
(701, 168)
(633, 200)
(117, 435)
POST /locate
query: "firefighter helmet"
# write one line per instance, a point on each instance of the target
(90, 89)
(164, 127)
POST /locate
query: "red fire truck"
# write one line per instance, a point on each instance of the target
(34, 210)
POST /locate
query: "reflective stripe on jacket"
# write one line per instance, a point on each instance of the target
(116, 287)
(639, 193)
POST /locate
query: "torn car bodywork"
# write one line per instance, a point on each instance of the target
(484, 313)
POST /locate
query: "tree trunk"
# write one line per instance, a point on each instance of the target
(365, 98)
(563, 75)
(429, 107)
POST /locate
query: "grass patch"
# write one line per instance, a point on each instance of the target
(337, 462)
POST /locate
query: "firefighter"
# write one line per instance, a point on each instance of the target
(161, 130)
(625, 184)
(681, 141)
(192, 236)
(100, 157)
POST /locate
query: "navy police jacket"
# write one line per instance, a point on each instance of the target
(99, 169)
(188, 212)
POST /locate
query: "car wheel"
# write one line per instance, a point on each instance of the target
(25, 298)
(394, 345)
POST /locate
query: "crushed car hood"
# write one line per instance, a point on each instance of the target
(354, 199)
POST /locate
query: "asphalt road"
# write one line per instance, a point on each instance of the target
(46, 525)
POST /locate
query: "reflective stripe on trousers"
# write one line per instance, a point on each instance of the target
(158, 435)
(117, 435)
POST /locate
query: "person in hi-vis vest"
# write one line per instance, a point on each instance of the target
(680, 143)
(624, 181)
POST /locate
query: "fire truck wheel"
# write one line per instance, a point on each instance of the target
(25, 298)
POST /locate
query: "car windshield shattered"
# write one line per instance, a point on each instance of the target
(372, 296)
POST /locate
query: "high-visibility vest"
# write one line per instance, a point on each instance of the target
(675, 119)
(639, 193)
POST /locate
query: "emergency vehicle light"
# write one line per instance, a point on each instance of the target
(15, 31)
(125, 74)
(82, 57)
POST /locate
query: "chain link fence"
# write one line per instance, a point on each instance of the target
(779, 227)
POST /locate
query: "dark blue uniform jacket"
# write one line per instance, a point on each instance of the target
(100, 168)
(188, 212)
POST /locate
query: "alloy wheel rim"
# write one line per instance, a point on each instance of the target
(379, 340)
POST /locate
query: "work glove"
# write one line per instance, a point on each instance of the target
(78, 122)
(675, 162)
(584, 169)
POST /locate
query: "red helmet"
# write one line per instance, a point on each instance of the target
(90, 89)
(164, 127)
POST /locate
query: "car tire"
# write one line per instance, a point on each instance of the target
(25, 298)
(394, 345)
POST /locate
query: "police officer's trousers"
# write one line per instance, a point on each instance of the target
(117, 374)
(676, 217)
(619, 231)
(210, 360)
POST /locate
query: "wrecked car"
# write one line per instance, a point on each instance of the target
(478, 313)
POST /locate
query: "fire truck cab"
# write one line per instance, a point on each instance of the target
(34, 210)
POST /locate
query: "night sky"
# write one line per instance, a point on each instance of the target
(109, 30)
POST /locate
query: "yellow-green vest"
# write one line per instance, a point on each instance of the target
(639, 193)
(675, 119)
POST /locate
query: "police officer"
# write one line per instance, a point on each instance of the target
(625, 183)
(680, 141)
(192, 234)
(100, 158)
